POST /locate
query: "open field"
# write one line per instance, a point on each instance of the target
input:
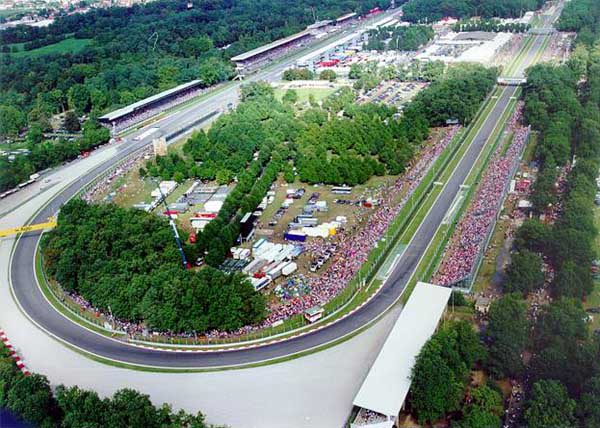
(304, 93)
(10, 13)
(67, 46)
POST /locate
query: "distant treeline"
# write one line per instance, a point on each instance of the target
(581, 16)
(45, 153)
(399, 38)
(434, 10)
(33, 400)
(138, 51)
(491, 25)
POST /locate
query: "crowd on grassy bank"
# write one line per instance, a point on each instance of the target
(473, 229)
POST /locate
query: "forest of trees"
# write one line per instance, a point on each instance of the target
(440, 377)
(569, 124)
(493, 25)
(581, 16)
(127, 260)
(408, 38)
(138, 51)
(564, 370)
(547, 347)
(455, 97)
(434, 10)
(322, 146)
(33, 400)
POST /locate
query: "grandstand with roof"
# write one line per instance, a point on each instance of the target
(155, 102)
(383, 392)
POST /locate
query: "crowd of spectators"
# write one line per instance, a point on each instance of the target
(368, 417)
(153, 109)
(469, 238)
(102, 186)
(268, 57)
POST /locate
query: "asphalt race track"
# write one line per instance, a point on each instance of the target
(34, 303)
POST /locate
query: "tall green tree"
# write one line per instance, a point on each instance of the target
(550, 406)
(441, 370)
(524, 274)
(11, 121)
(79, 99)
(31, 398)
(507, 332)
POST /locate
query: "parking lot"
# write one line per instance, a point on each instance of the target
(392, 92)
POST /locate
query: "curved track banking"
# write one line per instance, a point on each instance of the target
(38, 309)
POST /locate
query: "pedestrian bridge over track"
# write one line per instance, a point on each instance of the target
(511, 81)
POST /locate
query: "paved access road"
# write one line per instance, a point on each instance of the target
(34, 304)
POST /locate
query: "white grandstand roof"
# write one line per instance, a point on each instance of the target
(270, 46)
(346, 16)
(387, 383)
(130, 108)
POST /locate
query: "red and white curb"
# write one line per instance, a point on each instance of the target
(13, 354)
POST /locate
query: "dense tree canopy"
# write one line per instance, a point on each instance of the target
(581, 16)
(455, 97)
(434, 10)
(562, 349)
(127, 260)
(507, 334)
(567, 116)
(550, 406)
(399, 38)
(441, 370)
(298, 74)
(589, 404)
(132, 53)
(524, 274)
(32, 399)
(482, 411)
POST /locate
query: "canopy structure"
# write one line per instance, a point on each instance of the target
(346, 17)
(273, 45)
(387, 383)
(118, 114)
